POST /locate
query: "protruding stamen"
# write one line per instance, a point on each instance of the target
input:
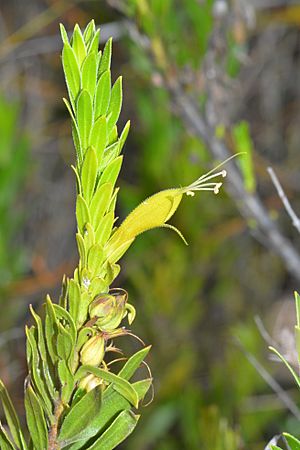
(217, 188)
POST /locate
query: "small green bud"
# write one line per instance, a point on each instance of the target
(93, 351)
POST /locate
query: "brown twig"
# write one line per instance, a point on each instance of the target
(52, 443)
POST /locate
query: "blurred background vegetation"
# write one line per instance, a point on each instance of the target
(240, 62)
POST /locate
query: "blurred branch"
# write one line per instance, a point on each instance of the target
(52, 44)
(249, 204)
(282, 395)
(295, 219)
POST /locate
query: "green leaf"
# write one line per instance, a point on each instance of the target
(74, 299)
(111, 173)
(89, 74)
(11, 417)
(35, 419)
(103, 94)
(134, 363)
(80, 421)
(71, 70)
(243, 143)
(119, 384)
(84, 114)
(94, 45)
(98, 137)
(95, 259)
(89, 174)
(297, 301)
(104, 229)
(296, 377)
(115, 104)
(89, 237)
(64, 34)
(62, 314)
(51, 329)
(112, 404)
(124, 135)
(82, 213)
(274, 447)
(106, 57)
(78, 45)
(98, 286)
(100, 203)
(89, 31)
(81, 248)
(293, 443)
(35, 372)
(43, 353)
(5, 443)
(110, 154)
(118, 431)
(67, 381)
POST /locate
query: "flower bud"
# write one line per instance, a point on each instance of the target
(92, 352)
(102, 305)
(112, 320)
(89, 382)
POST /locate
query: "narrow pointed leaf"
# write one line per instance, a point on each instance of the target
(94, 44)
(104, 229)
(71, 70)
(78, 423)
(35, 420)
(82, 213)
(89, 31)
(100, 203)
(115, 104)
(117, 432)
(11, 416)
(103, 94)
(89, 174)
(64, 34)
(119, 384)
(84, 113)
(106, 57)
(293, 443)
(98, 137)
(112, 171)
(89, 74)
(95, 259)
(78, 45)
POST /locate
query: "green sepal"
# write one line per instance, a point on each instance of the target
(95, 259)
(78, 45)
(103, 93)
(84, 115)
(117, 432)
(11, 417)
(293, 443)
(116, 253)
(112, 171)
(115, 104)
(106, 57)
(82, 213)
(100, 203)
(104, 229)
(89, 174)
(80, 420)
(98, 137)
(35, 419)
(119, 384)
(72, 72)
(89, 74)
